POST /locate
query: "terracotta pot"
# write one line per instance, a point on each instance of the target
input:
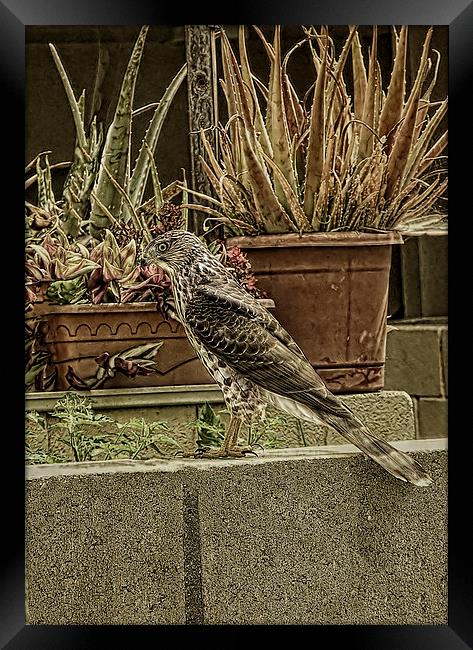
(331, 294)
(76, 334)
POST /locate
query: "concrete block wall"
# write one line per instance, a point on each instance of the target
(293, 537)
(417, 362)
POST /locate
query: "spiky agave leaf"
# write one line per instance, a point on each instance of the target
(79, 181)
(251, 94)
(420, 150)
(359, 77)
(139, 176)
(77, 113)
(46, 198)
(316, 144)
(366, 134)
(114, 158)
(392, 109)
(278, 128)
(404, 136)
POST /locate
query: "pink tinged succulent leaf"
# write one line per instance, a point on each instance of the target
(127, 256)
(96, 254)
(49, 244)
(41, 253)
(75, 381)
(98, 294)
(111, 272)
(30, 294)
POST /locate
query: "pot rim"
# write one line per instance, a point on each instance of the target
(103, 307)
(48, 309)
(331, 238)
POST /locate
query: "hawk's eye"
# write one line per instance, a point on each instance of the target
(162, 247)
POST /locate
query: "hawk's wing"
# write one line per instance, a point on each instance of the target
(237, 329)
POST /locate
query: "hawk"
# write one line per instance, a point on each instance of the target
(252, 358)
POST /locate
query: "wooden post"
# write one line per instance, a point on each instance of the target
(202, 106)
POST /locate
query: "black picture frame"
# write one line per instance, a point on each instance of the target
(14, 16)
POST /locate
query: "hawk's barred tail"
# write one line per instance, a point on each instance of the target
(396, 462)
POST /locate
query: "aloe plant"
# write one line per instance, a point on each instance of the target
(327, 160)
(100, 179)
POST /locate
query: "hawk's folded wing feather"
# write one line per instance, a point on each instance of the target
(238, 330)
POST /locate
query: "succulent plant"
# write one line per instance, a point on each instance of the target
(101, 189)
(370, 161)
(102, 175)
(138, 360)
(65, 265)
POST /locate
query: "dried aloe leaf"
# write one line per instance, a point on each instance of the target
(279, 132)
(392, 109)
(251, 92)
(403, 139)
(316, 144)
(359, 76)
(366, 135)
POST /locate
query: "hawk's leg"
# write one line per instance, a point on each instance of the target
(229, 446)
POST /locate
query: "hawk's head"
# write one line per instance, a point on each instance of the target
(172, 250)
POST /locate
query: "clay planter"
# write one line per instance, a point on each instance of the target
(331, 294)
(76, 334)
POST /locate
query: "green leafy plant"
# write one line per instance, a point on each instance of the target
(327, 160)
(77, 423)
(209, 427)
(265, 433)
(137, 437)
(76, 417)
(92, 436)
(269, 431)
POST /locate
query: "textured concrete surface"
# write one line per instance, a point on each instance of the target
(105, 549)
(333, 542)
(315, 535)
(413, 359)
(432, 417)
